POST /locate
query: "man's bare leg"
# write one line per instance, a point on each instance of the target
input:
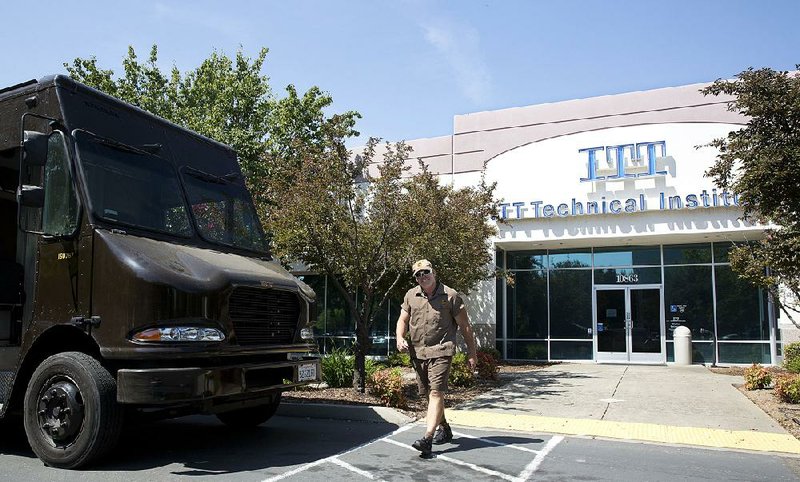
(435, 412)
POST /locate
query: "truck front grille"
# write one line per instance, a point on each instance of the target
(263, 316)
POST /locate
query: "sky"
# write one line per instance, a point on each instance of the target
(409, 66)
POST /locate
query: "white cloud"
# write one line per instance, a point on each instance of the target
(460, 47)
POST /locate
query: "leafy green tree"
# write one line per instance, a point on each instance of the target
(362, 222)
(761, 162)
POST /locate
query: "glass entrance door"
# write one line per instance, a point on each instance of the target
(629, 325)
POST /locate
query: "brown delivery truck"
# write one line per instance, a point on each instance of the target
(135, 277)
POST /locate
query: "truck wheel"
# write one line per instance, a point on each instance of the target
(71, 411)
(250, 416)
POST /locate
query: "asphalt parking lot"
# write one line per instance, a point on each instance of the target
(513, 457)
(305, 449)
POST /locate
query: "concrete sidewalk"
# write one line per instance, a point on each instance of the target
(685, 405)
(664, 404)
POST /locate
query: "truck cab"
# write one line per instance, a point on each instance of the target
(135, 276)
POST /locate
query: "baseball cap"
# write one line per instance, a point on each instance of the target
(421, 264)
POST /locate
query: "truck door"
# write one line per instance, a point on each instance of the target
(46, 261)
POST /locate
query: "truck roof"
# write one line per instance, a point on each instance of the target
(64, 81)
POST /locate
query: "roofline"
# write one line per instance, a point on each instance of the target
(67, 82)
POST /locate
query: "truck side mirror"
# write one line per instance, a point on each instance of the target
(34, 148)
(31, 196)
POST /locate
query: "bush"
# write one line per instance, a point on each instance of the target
(787, 388)
(791, 357)
(487, 365)
(756, 377)
(491, 351)
(398, 359)
(387, 384)
(371, 366)
(460, 372)
(338, 368)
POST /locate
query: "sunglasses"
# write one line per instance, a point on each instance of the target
(422, 272)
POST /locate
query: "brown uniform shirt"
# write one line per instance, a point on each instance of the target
(433, 321)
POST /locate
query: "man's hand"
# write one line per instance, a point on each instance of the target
(473, 362)
(402, 345)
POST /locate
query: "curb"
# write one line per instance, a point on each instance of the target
(355, 413)
(643, 432)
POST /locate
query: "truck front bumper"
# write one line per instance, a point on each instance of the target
(161, 386)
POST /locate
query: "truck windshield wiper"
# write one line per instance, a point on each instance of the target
(125, 147)
(205, 176)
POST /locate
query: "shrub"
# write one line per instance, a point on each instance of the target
(460, 372)
(371, 366)
(487, 366)
(338, 368)
(787, 388)
(756, 377)
(491, 351)
(398, 359)
(791, 357)
(387, 384)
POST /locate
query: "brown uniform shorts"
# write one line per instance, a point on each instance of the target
(432, 373)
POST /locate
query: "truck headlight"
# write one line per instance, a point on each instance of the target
(307, 333)
(178, 333)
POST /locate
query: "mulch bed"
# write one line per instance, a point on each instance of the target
(415, 405)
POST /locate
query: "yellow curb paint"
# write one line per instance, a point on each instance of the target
(646, 432)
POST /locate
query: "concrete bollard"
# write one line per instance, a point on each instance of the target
(682, 337)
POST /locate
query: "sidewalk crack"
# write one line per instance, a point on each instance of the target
(614, 392)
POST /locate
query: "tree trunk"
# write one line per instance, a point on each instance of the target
(363, 344)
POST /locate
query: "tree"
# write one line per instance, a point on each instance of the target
(362, 223)
(761, 162)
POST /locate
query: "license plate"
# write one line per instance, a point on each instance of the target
(307, 372)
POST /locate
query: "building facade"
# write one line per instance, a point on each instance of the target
(612, 235)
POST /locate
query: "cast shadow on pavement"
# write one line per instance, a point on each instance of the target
(529, 385)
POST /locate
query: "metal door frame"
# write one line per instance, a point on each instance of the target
(629, 356)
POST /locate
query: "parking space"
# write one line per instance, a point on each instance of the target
(472, 454)
(302, 449)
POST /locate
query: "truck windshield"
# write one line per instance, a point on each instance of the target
(222, 210)
(132, 187)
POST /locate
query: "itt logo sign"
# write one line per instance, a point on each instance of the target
(624, 161)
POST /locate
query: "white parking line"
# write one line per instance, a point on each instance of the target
(500, 444)
(309, 465)
(352, 468)
(531, 468)
(477, 468)
(523, 476)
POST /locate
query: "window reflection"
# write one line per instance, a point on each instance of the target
(741, 307)
(687, 254)
(688, 300)
(571, 304)
(527, 305)
(570, 258)
(627, 256)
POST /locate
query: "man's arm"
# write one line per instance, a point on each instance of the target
(400, 331)
(469, 336)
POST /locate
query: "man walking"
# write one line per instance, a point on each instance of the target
(432, 312)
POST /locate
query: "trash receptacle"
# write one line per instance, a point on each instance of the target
(682, 337)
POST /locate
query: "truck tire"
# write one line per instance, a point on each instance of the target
(71, 412)
(250, 416)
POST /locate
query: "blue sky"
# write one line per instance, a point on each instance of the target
(409, 66)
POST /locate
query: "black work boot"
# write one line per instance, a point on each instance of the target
(424, 445)
(443, 434)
